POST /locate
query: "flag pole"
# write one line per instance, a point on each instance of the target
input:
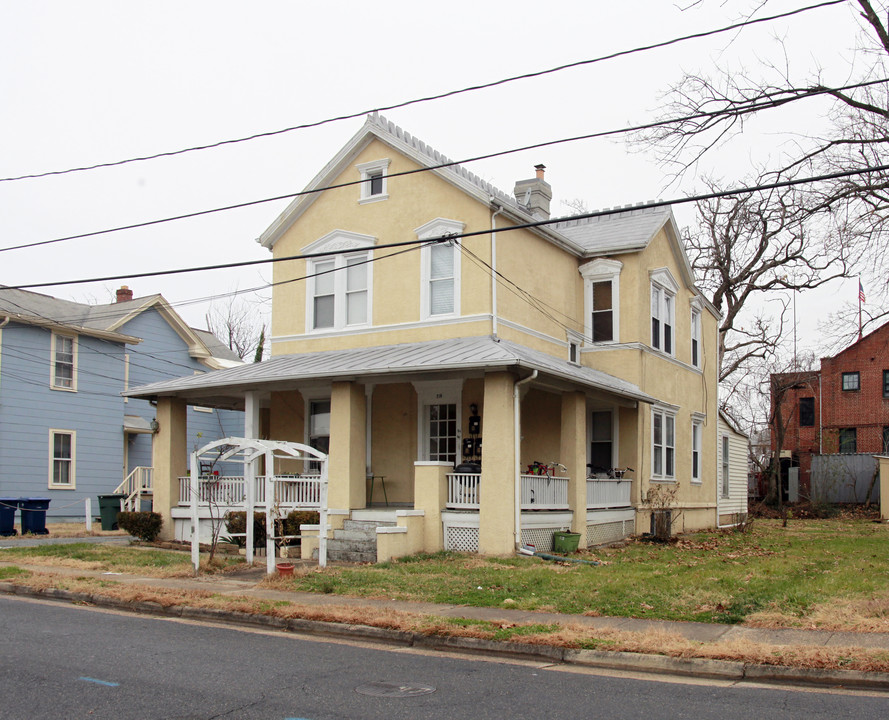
(860, 300)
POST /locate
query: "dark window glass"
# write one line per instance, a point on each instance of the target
(376, 184)
(885, 383)
(848, 440)
(807, 412)
(885, 440)
(603, 316)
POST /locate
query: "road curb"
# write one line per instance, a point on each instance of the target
(607, 660)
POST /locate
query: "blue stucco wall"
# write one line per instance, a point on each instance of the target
(29, 407)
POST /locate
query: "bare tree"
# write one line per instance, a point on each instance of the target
(235, 324)
(751, 246)
(716, 109)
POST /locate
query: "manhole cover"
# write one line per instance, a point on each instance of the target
(391, 689)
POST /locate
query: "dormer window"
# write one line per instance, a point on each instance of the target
(601, 292)
(373, 181)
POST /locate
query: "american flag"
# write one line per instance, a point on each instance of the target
(860, 292)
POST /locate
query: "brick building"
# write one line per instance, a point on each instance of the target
(843, 408)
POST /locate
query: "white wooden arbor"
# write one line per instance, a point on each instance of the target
(248, 451)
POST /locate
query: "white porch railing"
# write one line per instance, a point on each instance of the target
(136, 484)
(544, 492)
(607, 493)
(228, 492)
(541, 492)
(463, 490)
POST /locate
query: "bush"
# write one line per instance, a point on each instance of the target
(236, 522)
(295, 518)
(143, 525)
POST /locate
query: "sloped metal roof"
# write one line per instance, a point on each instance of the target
(469, 353)
(622, 232)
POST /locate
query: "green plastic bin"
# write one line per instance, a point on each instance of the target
(109, 506)
(565, 542)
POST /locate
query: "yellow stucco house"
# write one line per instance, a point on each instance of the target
(581, 345)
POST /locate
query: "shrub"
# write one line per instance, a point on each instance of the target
(236, 522)
(295, 518)
(143, 525)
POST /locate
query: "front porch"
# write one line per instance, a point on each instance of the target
(402, 426)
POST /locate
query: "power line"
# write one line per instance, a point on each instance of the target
(744, 190)
(767, 100)
(429, 98)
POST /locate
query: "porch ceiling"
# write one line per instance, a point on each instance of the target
(387, 363)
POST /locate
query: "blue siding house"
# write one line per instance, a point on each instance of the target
(66, 432)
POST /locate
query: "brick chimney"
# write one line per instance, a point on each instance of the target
(535, 194)
(124, 294)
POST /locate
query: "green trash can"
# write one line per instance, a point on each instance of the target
(109, 506)
(565, 542)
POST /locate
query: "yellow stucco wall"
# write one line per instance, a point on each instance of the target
(394, 441)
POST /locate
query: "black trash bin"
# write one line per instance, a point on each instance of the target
(34, 515)
(109, 506)
(8, 506)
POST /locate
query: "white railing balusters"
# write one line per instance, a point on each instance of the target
(607, 492)
(229, 492)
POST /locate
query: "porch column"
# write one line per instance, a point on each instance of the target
(169, 458)
(572, 452)
(497, 490)
(347, 469)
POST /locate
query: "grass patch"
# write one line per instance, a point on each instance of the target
(8, 572)
(139, 561)
(771, 576)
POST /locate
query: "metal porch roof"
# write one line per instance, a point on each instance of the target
(469, 353)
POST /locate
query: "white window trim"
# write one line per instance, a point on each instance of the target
(575, 343)
(341, 245)
(615, 425)
(725, 470)
(600, 270)
(695, 334)
(366, 170)
(663, 280)
(434, 392)
(665, 413)
(62, 486)
(52, 364)
(697, 439)
(440, 227)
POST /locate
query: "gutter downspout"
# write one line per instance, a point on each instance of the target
(820, 418)
(494, 215)
(517, 452)
(5, 320)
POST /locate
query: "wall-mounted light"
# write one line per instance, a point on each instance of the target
(154, 425)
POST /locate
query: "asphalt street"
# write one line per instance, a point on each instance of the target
(63, 661)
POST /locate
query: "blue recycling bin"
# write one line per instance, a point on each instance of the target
(34, 515)
(8, 506)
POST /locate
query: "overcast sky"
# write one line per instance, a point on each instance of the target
(92, 82)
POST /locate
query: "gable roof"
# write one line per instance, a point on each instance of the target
(387, 361)
(105, 321)
(32, 308)
(630, 230)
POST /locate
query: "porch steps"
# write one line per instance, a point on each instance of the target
(356, 542)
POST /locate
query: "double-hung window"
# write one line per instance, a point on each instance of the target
(61, 459)
(440, 271)
(601, 279)
(725, 467)
(696, 434)
(807, 412)
(663, 443)
(696, 337)
(64, 362)
(339, 292)
(848, 440)
(663, 311)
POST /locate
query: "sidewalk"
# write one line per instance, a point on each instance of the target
(245, 584)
